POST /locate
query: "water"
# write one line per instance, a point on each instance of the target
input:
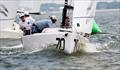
(107, 59)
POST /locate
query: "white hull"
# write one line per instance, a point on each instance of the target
(10, 34)
(40, 41)
(11, 30)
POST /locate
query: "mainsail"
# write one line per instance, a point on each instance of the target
(8, 11)
(83, 15)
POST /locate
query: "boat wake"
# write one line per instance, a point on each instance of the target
(91, 48)
(96, 48)
(5, 50)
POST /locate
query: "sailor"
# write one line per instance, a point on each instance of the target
(30, 21)
(67, 22)
(46, 23)
(29, 18)
(24, 25)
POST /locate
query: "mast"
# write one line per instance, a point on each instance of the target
(64, 13)
(65, 9)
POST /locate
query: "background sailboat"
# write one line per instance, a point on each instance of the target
(8, 11)
(8, 28)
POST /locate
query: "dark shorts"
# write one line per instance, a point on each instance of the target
(34, 29)
(39, 31)
(27, 32)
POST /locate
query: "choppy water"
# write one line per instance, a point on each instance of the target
(107, 59)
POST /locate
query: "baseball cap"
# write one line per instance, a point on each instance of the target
(53, 17)
(26, 13)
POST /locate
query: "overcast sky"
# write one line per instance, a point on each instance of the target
(62, 1)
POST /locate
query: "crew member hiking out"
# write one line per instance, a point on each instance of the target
(24, 25)
(46, 23)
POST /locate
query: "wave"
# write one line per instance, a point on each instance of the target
(5, 50)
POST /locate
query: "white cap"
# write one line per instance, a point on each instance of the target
(26, 13)
(53, 17)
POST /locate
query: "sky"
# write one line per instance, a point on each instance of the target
(61, 1)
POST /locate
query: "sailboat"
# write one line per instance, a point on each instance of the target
(9, 10)
(68, 40)
(9, 28)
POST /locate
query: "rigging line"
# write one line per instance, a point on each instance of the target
(108, 33)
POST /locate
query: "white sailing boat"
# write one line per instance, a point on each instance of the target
(8, 28)
(8, 11)
(68, 40)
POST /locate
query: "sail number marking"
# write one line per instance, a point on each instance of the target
(61, 43)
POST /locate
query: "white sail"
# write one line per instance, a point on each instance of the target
(83, 14)
(32, 6)
(7, 13)
(8, 28)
